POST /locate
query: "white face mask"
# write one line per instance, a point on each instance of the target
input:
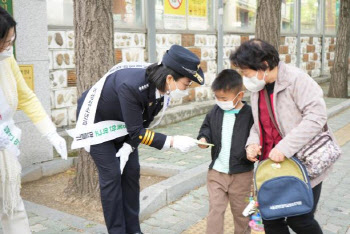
(227, 105)
(253, 84)
(7, 53)
(177, 93)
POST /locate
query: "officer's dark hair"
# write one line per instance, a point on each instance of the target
(228, 80)
(252, 54)
(157, 74)
(6, 23)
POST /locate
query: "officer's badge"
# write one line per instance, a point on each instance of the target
(143, 87)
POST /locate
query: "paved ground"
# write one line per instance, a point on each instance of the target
(333, 214)
(333, 210)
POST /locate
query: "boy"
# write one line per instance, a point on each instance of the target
(230, 174)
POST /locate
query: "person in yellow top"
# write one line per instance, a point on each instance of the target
(14, 93)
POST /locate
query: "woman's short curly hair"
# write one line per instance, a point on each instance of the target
(252, 54)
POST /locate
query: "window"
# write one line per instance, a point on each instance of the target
(310, 16)
(332, 16)
(239, 15)
(184, 14)
(60, 12)
(128, 13)
(287, 16)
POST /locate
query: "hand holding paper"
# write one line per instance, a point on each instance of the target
(202, 143)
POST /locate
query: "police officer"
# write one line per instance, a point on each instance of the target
(134, 96)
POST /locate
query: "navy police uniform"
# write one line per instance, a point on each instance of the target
(128, 96)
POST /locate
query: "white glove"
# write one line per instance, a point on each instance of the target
(124, 153)
(183, 143)
(4, 140)
(59, 143)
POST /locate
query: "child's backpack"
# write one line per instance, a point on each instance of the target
(283, 189)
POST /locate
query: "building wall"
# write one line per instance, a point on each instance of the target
(131, 47)
(31, 48)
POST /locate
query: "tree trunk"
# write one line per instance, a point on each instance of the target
(94, 56)
(268, 21)
(339, 73)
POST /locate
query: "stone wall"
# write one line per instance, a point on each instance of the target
(131, 47)
(310, 61)
(62, 77)
(288, 50)
(329, 49)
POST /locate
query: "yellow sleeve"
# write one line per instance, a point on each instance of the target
(29, 103)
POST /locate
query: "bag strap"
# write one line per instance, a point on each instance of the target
(269, 109)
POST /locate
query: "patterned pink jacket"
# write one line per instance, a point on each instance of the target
(300, 111)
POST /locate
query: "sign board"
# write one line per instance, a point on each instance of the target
(175, 14)
(7, 5)
(198, 14)
(28, 74)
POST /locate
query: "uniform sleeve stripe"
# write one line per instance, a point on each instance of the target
(144, 137)
(148, 137)
(151, 140)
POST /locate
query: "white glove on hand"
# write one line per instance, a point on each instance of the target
(183, 143)
(59, 143)
(124, 153)
(4, 140)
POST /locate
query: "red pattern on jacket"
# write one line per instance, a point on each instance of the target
(269, 136)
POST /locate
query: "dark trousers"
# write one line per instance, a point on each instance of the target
(119, 193)
(302, 224)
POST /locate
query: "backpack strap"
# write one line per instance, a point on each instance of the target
(269, 108)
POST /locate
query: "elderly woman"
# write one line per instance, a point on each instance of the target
(300, 112)
(14, 93)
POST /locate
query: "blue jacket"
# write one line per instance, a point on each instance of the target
(128, 96)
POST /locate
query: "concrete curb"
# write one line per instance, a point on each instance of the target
(322, 79)
(180, 113)
(38, 171)
(49, 168)
(160, 169)
(167, 191)
(338, 108)
(67, 219)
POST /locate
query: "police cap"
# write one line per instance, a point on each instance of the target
(184, 62)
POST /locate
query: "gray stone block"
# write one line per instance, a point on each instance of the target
(56, 166)
(151, 199)
(31, 173)
(184, 182)
(160, 170)
(183, 112)
(65, 219)
(332, 228)
(167, 191)
(338, 108)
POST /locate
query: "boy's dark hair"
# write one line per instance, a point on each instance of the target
(6, 23)
(157, 74)
(228, 80)
(253, 53)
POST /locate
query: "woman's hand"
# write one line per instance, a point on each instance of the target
(276, 155)
(204, 141)
(253, 151)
